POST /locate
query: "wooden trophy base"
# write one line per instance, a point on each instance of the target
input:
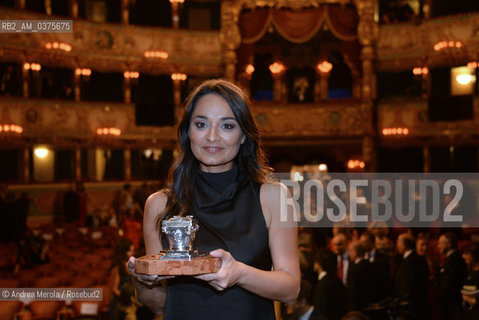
(156, 264)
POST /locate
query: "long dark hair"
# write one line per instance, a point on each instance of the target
(250, 159)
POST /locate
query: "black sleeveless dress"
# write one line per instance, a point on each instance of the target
(230, 217)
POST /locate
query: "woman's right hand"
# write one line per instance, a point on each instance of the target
(144, 279)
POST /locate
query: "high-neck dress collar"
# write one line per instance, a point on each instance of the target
(215, 190)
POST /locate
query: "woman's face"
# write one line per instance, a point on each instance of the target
(215, 135)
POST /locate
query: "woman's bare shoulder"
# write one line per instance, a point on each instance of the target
(156, 203)
(274, 197)
(158, 196)
(272, 191)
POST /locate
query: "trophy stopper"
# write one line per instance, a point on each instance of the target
(180, 232)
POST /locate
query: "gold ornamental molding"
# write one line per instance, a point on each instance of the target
(292, 4)
(116, 48)
(321, 121)
(406, 45)
(412, 114)
(70, 123)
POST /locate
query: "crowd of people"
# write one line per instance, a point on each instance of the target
(410, 279)
(122, 217)
(71, 207)
(345, 274)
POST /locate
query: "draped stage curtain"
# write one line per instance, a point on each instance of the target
(299, 26)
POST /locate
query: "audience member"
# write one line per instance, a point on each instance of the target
(380, 266)
(112, 219)
(302, 308)
(451, 277)
(330, 295)
(141, 194)
(9, 84)
(127, 201)
(421, 245)
(360, 283)
(128, 304)
(380, 231)
(398, 11)
(58, 214)
(422, 248)
(470, 289)
(31, 250)
(94, 220)
(306, 258)
(82, 201)
(412, 277)
(22, 208)
(119, 274)
(339, 246)
(71, 205)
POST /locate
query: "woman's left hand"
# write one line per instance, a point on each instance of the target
(229, 272)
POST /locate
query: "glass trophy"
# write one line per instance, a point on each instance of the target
(181, 258)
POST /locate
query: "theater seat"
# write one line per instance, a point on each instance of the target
(47, 282)
(9, 308)
(99, 276)
(65, 276)
(27, 277)
(81, 282)
(45, 310)
(10, 283)
(47, 270)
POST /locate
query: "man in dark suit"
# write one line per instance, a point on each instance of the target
(330, 297)
(360, 278)
(412, 277)
(302, 308)
(451, 277)
(380, 265)
(339, 244)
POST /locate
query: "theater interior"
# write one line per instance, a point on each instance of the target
(88, 117)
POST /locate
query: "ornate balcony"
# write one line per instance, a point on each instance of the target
(109, 47)
(72, 123)
(413, 115)
(407, 45)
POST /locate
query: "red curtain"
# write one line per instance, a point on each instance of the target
(343, 22)
(299, 26)
(253, 24)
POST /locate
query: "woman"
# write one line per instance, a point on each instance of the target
(119, 275)
(220, 178)
(470, 290)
